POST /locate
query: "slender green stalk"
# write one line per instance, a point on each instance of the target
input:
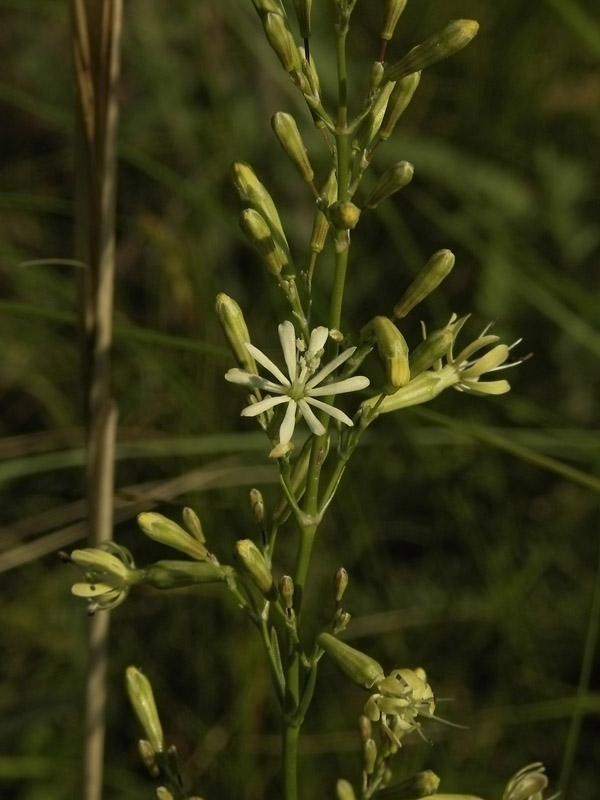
(290, 761)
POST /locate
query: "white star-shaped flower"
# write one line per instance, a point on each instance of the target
(304, 383)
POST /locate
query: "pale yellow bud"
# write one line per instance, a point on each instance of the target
(445, 43)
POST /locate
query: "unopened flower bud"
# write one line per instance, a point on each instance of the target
(343, 216)
(175, 574)
(365, 728)
(234, 327)
(162, 793)
(393, 9)
(359, 667)
(423, 784)
(368, 128)
(369, 755)
(321, 223)
(340, 582)
(191, 520)
(165, 531)
(527, 784)
(141, 697)
(431, 349)
(392, 180)
(427, 279)
(147, 755)
(344, 790)
(282, 41)
(302, 8)
(445, 43)
(286, 130)
(259, 235)
(377, 73)
(265, 6)
(286, 591)
(254, 194)
(392, 349)
(257, 504)
(399, 99)
(253, 563)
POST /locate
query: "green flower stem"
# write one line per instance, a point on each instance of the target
(278, 679)
(290, 761)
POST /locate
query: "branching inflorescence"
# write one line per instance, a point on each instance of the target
(296, 406)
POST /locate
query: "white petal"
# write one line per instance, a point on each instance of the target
(312, 422)
(243, 378)
(267, 363)
(331, 410)
(318, 337)
(329, 368)
(287, 337)
(354, 384)
(91, 589)
(286, 430)
(264, 405)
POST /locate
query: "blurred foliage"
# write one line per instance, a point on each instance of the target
(470, 529)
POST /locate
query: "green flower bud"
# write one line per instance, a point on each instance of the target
(257, 504)
(265, 6)
(369, 755)
(282, 41)
(365, 728)
(343, 216)
(456, 35)
(253, 563)
(340, 582)
(431, 349)
(359, 667)
(344, 790)
(259, 235)
(286, 591)
(162, 793)
(429, 278)
(175, 574)
(392, 180)
(393, 9)
(165, 531)
(377, 73)
(423, 784)
(419, 390)
(527, 784)
(302, 8)
(147, 755)
(321, 223)
(234, 327)
(253, 193)
(368, 128)
(141, 697)
(392, 349)
(399, 99)
(191, 520)
(286, 130)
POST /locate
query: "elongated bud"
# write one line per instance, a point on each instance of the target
(259, 235)
(359, 667)
(340, 582)
(302, 8)
(165, 531)
(445, 43)
(257, 504)
(344, 790)
(286, 130)
(147, 755)
(141, 697)
(369, 127)
(393, 9)
(282, 41)
(286, 591)
(369, 756)
(234, 327)
(265, 6)
(392, 180)
(175, 574)
(399, 99)
(191, 520)
(253, 193)
(321, 223)
(365, 728)
(392, 349)
(423, 784)
(253, 563)
(431, 349)
(427, 279)
(343, 216)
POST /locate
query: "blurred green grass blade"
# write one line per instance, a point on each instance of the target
(580, 21)
(487, 436)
